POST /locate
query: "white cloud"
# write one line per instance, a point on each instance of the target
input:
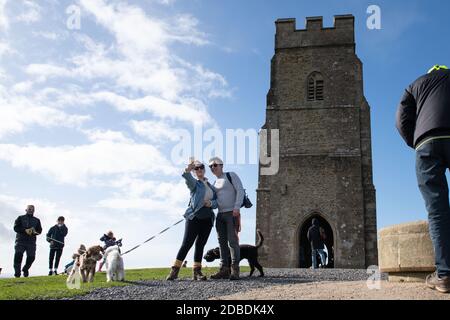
(6, 234)
(32, 12)
(189, 109)
(19, 112)
(155, 131)
(96, 135)
(5, 48)
(135, 68)
(22, 87)
(166, 2)
(43, 71)
(81, 165)
(4, 21)
(48, 35)
(164, 197)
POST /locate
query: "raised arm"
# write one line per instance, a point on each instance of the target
(190, 180)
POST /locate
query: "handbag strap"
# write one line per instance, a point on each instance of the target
(229, 179)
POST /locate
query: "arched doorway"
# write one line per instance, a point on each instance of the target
(305, 260)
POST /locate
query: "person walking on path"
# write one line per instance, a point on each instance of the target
(230, 195)
(55, 236)
(199, 220)
(27, 227)
(423, 121)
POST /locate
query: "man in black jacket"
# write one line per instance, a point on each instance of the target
(317, 245)
(423, 120)
(55, 236)
(27, 227)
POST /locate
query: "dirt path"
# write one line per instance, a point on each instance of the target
(348, 290)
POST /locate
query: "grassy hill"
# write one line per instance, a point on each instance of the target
(51, 287)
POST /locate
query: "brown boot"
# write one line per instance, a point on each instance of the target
(173, 273)
(175, 269)
(223, 273)
(197, 272)
(234, 272)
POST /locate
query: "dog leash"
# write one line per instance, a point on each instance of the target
(152, 237)
(48, 238)
(135, 247)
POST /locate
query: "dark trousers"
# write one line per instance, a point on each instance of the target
(196, 230)
(432, 161)
(55, 254)
(20, 249)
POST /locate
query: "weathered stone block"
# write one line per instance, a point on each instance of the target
(406, 251)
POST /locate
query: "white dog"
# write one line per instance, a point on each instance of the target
(114, 265)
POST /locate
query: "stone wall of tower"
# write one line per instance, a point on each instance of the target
(325, 146)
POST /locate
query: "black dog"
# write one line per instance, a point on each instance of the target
(248, 252)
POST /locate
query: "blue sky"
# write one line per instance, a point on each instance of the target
(89, 116)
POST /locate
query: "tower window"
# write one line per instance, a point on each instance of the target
(315, 87)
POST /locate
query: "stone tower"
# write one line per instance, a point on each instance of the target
(316, 100)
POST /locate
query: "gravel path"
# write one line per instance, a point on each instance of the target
(355, 290)
(200, 290)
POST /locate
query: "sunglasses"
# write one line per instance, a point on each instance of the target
(215, 165)
(199, 168)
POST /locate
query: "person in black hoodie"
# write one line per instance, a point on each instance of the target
(55, 236)
(423, 120)
(27, 227)
(317, 246)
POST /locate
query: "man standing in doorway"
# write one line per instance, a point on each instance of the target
(27, 227)
(423, 120)
(317, 246)
(230, 195)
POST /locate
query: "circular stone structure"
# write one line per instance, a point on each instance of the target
(405, 252)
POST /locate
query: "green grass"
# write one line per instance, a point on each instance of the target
(51, 287)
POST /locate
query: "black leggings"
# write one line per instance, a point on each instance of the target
(197, 230)
(53, 252)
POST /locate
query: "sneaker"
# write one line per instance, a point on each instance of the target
(441, 284)
(55, 273)
(16, 275)
(25, 273)
(50, 273)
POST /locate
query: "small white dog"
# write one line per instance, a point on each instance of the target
(114, 265)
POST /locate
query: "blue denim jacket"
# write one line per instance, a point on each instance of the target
(198, 190)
